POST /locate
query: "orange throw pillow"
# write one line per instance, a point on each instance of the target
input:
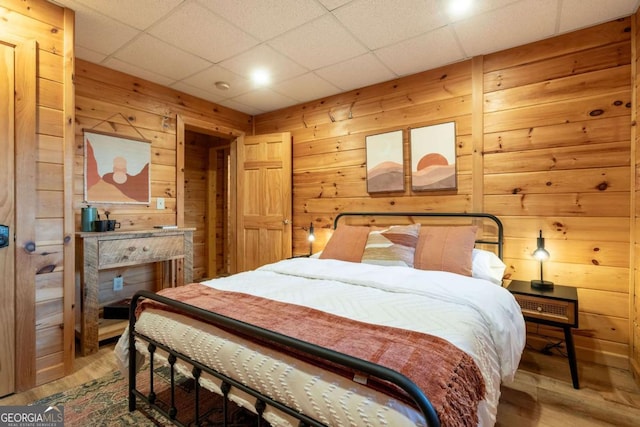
(446, 249)
(346, 243)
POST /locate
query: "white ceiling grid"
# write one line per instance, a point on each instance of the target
(312, 48)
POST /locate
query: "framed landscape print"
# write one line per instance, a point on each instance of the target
(385, 171)
(433, 157)
(116, 169)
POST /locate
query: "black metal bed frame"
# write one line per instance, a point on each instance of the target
(262, 401)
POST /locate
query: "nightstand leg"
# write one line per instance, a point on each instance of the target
(571, 352)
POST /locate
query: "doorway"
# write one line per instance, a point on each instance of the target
(207, 201)
(257, 221)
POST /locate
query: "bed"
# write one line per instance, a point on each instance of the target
(395, 323)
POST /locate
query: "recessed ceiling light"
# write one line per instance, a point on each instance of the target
(222, 85)
(260, 77)
(459, 7)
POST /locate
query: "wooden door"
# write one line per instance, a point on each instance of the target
(263, 199)
(7, 207)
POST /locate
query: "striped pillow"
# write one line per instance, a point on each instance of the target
(395, 245)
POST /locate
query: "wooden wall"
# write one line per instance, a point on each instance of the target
(543, 141)
(114, 102)
(557, 132)
(120, 104)
(44, 230)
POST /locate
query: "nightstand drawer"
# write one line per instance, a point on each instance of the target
(547, 309)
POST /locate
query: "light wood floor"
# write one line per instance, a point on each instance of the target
(541, 395)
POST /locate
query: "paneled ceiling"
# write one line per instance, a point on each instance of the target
(310, 48)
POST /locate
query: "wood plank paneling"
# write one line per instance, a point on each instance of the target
(542, 114)
(557, 153)
(543, 133)
(560, 89)
(584, 61)
(589, 180)
(612, 129)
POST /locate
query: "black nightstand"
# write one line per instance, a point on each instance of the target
(554, 307)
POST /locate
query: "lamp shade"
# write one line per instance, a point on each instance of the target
(312, 236)
(541, 254)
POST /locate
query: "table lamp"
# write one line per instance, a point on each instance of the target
(541, 254)
(311, 238)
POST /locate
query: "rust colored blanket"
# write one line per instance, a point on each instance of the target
(448, 376)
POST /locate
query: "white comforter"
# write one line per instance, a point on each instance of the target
(479, 317)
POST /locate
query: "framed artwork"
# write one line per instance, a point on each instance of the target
(116, 169)
(385, 171)
(433, 157)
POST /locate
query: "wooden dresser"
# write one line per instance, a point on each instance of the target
(100, 251)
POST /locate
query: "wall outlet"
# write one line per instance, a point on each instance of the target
(118, 283)
(160, 203)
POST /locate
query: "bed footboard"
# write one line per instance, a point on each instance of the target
(262, 401)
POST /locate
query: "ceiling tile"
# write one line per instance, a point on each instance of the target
(263, 56)
(206, 80)
(89, 55)
(238, 106)
(576, 14)
(139, 14)
(100, 33)
(265, 100)
(116, 64)
(476, 8)
(197, 92)
(379, 23)
(157, 56)
(266, 19)
(199, 31)
(333, 4)
(513, 25)
(306, 87)
(319, 43)
(357, 72)
(422, 53)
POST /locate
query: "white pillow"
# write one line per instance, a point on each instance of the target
(487, 265)
(484, 265)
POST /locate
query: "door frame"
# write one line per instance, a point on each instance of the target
(184, 122)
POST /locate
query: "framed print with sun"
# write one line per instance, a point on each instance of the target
(433, 157)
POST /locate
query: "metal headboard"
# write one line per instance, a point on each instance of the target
(498, 241)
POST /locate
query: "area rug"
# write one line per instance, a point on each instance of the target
(104, 402)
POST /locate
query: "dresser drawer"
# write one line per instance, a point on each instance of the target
(558, 311)
(113, 253)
